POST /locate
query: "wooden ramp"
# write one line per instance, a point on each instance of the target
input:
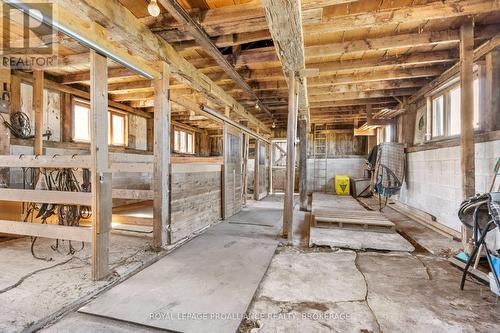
(344, 212)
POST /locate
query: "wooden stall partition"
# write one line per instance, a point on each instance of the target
(195, 198)
(232, 179)
(261, 170)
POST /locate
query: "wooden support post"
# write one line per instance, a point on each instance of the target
(256, 172)
(270, 169)
(5, 92)
(492, 97)
(161, 220)
(101, 177)
(245, 167)
(38, 78)
(290, 158)
(67, 117)
(428, 119)
(372, 142)
(150, 134)
(303, 131)
(467, 115)
(409, 121)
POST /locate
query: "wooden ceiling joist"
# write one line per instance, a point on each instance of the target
(333, 21)
(202, 38)
(118, 31)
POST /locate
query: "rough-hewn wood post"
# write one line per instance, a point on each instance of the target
(161, 161)
(38, 108)
(467, 114)
(290, 158)
(101, 177)
(303, 131)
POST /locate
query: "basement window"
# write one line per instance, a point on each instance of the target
(183, 142)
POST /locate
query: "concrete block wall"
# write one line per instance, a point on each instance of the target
(350, 166)
(433, 182)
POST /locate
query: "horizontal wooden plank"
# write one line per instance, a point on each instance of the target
(80, 234)
(131, 167)
(56, 161)
(51, 197)
(189, 168)
(196, 160)
(132, 194)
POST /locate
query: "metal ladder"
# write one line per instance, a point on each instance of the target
(320, 177)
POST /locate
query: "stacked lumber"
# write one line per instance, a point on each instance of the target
(344, 212)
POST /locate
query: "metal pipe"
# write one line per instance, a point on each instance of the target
(66, 30)
(233, 123)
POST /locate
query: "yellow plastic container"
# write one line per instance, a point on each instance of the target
(342, 185)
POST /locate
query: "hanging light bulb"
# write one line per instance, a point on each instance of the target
(274, 124)
(257, 106)
(153, 8)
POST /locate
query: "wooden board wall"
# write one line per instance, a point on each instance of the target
(195, 198)
(341, 143)
(232, 171)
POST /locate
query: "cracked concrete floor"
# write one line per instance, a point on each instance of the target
(348, 291)
(32, 290)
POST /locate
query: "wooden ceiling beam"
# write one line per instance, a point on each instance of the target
(228, 40)
(200, 35)
(363, 94)
(117, 30)
(398, 41)
(284, 18)
(332, 21)
(368, 86)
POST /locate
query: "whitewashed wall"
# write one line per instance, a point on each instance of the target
(433, 181)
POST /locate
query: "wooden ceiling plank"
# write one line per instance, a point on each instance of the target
(199, 34)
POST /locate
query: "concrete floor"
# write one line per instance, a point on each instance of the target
(32, 290)
(348, 291)
(324, 289)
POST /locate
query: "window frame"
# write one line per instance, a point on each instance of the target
(176, 147)
(111, 111)
(85, 104)
(445, 91)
